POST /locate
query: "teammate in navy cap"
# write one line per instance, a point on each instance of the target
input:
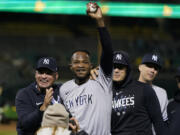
(33, 100)
(152, 58)
(149, 69)
(121, 65)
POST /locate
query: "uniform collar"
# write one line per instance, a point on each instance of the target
(35, 89)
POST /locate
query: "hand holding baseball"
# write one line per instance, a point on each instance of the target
(92, 7)
(94, 11)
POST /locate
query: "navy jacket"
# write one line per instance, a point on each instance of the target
(28, 101)
(135, 108)
(173, 105)
(174, 125)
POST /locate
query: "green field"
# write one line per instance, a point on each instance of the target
(8, 133)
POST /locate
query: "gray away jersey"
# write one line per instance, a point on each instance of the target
(90, 103)
(163, 101)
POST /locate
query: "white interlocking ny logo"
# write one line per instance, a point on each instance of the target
(46, 61)
(118, 56)
(154, 58)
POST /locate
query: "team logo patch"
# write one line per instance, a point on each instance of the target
(81, 100)
(121, 104)
(154, 58)
(39, 103)
(118, 56)
(46, 61)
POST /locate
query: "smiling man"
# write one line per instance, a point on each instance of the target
(33, 100)
(89, 101)
(149, 69)
(81, 65)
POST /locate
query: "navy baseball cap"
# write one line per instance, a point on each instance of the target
(152, 58)
(178, 72)
(47, 62)
(121, 57)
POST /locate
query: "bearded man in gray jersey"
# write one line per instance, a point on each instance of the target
(149, 68)
(90, 101)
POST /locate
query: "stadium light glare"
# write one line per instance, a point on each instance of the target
(79, 8)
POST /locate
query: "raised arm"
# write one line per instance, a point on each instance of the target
(107, 51)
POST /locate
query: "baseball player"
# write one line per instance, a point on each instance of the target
(89, 101)
(32, 101)
(149, 68)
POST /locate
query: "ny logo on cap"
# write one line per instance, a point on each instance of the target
(46, 61)
(118, 56)
(154, 58)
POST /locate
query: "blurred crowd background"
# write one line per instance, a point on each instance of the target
(25, 37)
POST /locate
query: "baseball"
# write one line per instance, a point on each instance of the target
(92, 8)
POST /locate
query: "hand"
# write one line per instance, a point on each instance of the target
(47, 99)
(75, 127)
(97, 14)
(94, 73)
